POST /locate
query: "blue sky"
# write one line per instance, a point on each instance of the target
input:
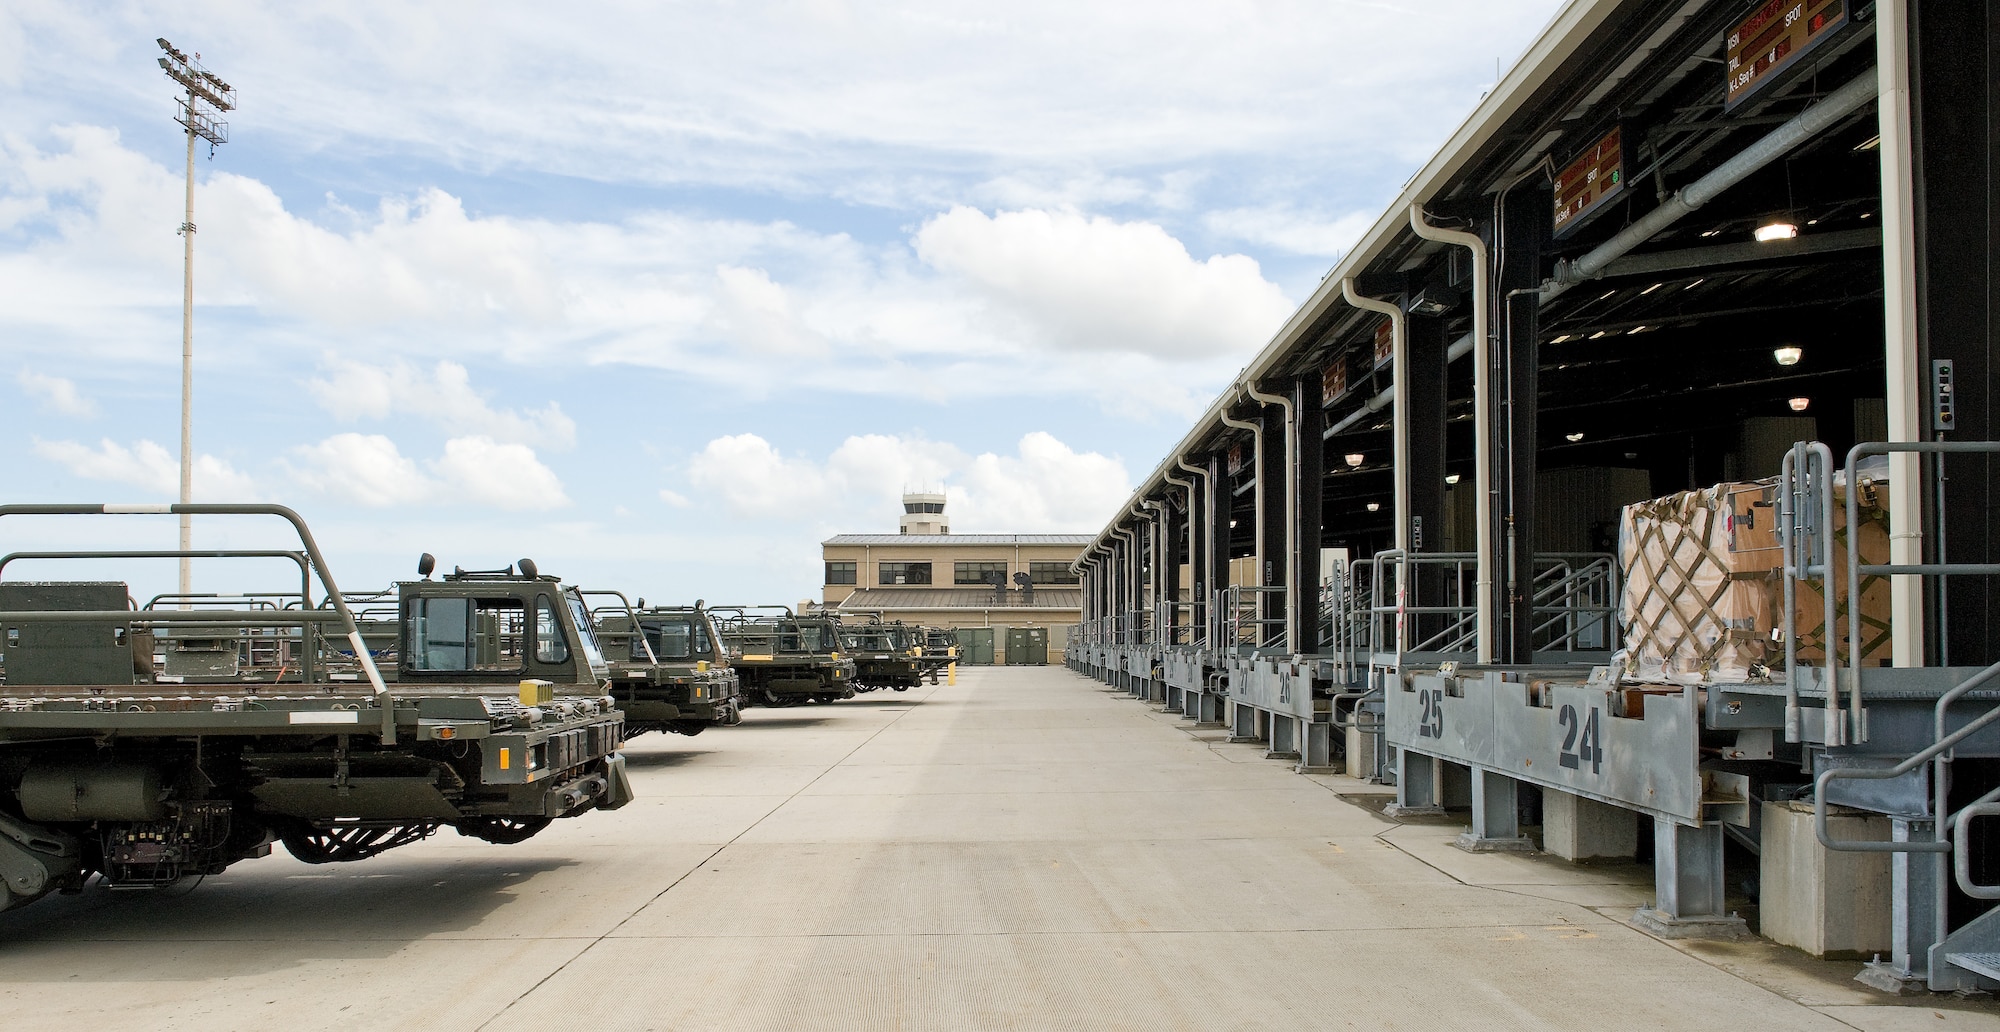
(662, 294)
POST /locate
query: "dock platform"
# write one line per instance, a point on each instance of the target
(1025, 849)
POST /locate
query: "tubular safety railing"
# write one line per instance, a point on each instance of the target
(1244, 623)
(1183, 624)
(1576, 602)
(1807, 536)
(1423, 603)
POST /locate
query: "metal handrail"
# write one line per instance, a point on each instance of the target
(1454, 635)
(1574, 593)
(1807, 495)
(1239, 599)
(345, 616)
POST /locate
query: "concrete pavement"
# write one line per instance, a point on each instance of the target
(1023, 850)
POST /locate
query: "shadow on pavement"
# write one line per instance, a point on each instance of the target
(278, 917)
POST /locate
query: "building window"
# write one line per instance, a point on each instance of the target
(1051, 573)
(917, 507)
(978, 573)
(902, 573)
(840, 573)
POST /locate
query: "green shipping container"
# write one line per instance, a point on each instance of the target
(1027, 646)
(975, 644)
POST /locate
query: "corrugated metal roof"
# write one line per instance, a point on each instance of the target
(960, 598)
(947, 540)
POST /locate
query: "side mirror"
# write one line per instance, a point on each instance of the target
(529, 569)
(425, 564)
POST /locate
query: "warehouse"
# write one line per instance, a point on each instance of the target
(1502, 478)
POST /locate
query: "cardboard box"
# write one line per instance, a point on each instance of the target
(1704, 589)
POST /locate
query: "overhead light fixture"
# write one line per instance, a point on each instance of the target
(1870, 143)
(1432, 300)
(1561, 338)
(1451, 478)
(1650, 289)
(1599, 333)
(1374, 506)
(1355, 459)
(1640, 329)
(1696, 283)
(1778, 228)
(1789, 355)
(1799, 404)
(1717, 231)
(1572, 438)
(1867, 214)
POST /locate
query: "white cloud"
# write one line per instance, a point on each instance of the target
(1046, 486)
(753, 479)
(150, 468)
(370, 470)
(443, 396)
(482, 471)
(1096, 284)
(768, 95)
(411, 295)
(57, 394)
(675, 499)
(366, 469)
(1290, 230)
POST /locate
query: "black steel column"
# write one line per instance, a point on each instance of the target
(1955, 99)
(1427, 420)
(1308, 488)
(1518, 266)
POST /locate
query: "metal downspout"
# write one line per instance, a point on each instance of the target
(1257, 463)
(1159, 519)
(1291, 572)
(1173, 614)
(1399, 392)
(1482, 416)
(1198, 574)
(1903, 384)
(1774, 145)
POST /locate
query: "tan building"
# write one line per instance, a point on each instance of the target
(928, 575)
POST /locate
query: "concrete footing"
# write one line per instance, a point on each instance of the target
(1827, 903)
(1360, 753)
(1578, 828)
(1667, 926)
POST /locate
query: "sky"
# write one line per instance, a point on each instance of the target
(662, 294)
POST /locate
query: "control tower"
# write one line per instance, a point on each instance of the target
(923, 513)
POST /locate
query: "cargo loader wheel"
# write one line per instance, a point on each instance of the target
(337, 845)
(502, 831)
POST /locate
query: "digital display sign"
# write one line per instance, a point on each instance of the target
(1773, 38)
(1332, 382)
(1596, 176)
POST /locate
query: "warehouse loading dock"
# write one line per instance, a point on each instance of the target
(1673, 243)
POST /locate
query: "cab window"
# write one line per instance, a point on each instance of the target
(551, 644)
(464, 634)
(669, 640)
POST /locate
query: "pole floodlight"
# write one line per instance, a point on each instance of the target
(207, 98)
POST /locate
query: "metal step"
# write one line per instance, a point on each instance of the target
(1987, 964)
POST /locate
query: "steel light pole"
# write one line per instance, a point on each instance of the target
(200, 110)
